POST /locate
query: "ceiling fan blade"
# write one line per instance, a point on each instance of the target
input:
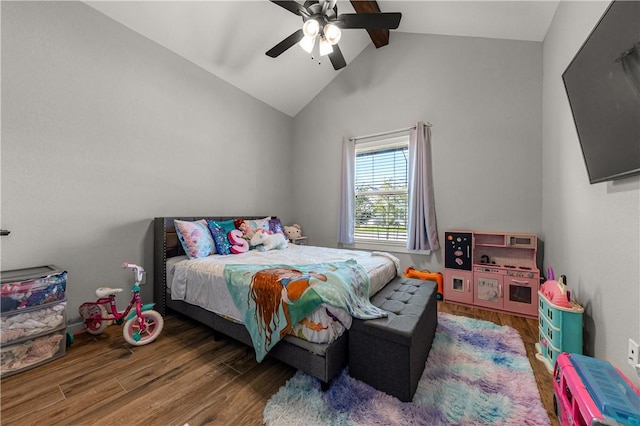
(336, 58)
(279, 48)
(370, 21)
(291, 6)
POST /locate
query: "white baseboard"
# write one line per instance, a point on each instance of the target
(75, 328)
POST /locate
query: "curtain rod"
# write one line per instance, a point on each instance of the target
(375, 135)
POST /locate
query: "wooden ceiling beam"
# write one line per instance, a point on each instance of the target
(378, 37)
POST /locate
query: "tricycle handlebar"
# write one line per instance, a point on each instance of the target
(139, 270)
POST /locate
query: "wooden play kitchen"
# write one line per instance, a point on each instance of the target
(492, 270)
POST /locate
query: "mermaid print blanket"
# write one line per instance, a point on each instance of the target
(271, 299)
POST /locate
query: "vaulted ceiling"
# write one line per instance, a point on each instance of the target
(229, 38)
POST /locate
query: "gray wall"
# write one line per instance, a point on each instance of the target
(484, 99)
(592, 231)
(102, 130)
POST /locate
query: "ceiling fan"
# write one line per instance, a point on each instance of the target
(322, 23)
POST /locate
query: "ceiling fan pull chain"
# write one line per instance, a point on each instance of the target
(315, 53)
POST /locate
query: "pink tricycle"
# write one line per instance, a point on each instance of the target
(141, 325)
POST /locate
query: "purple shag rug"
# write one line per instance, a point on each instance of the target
(477, 373)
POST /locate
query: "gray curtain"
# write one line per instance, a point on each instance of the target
(346, 221)
(422, 233)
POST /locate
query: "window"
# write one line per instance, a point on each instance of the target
(381, 191)
(386, 196)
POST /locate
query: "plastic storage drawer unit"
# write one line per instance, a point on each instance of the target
(23, 355)
(31, 322)
(22, 288)
(32, 318)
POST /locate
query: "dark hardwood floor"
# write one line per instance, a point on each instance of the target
(183, 377)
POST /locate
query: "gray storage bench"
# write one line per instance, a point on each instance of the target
(390, 353)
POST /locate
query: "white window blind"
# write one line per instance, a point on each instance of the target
(381, 185)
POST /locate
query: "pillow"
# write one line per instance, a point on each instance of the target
(195, 238)
(219, 231)
(227, 225)
(237, 241)
(250, 226)
(260, 223)
(276, 226)
(223, 246)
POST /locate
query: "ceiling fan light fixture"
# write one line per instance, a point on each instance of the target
(307, 43)
(311, 28)
(332, 33)
(325, 46)
(321, 21)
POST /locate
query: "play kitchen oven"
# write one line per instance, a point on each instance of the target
(492, 270)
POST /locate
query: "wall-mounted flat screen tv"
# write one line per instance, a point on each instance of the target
(603, 86)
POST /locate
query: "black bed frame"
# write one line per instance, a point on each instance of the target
(292, 351)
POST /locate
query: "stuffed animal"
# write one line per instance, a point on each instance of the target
(266, 241)
(293, 231)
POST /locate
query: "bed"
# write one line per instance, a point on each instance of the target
(209, 303)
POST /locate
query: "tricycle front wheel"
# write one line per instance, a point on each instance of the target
(136, 335)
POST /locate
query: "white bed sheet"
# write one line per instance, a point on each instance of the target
(201, 281)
